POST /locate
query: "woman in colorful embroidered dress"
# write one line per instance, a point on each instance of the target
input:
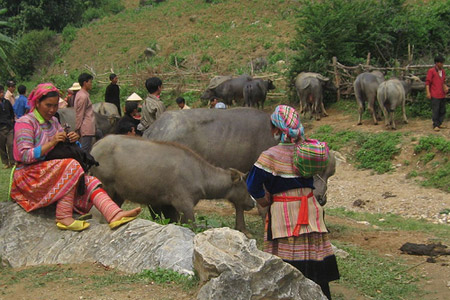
(38, 183)
(294, 230)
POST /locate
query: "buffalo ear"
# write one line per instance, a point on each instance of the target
(236, 175)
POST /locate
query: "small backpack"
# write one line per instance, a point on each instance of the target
(311, 157)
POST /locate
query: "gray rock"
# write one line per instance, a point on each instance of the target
(29, 239)
(234, 268)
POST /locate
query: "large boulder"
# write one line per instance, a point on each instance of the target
(234, 268)
(29, 239)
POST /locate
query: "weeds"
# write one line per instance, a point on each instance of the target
(376, 277)
(377, 151)
(164, 276)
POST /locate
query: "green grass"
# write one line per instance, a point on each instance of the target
(371, 151)
(4, 183)
(376, 277)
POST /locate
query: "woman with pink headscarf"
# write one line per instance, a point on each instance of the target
(294, 229)
(38, 183)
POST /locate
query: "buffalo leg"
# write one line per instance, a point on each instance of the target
(372, 111)
(404, 112)
(324, 112)
(240, 221)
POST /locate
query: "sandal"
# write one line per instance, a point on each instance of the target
(75, 226)
(120, 222)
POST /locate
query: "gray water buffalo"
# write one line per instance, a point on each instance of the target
(310, 88)
(227, 138)
(167, 176)
(255, 91)
(105, 124)
(391, 94)
(232, 138)
(228, 90)
(366, 86)
(106, 109)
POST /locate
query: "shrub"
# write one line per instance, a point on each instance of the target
(349, 29)
(30, 51)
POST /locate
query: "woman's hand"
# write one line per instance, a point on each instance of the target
(73, 136)
(59, 137)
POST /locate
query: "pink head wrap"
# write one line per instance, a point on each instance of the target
(39, 91)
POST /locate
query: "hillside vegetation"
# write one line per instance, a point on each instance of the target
(188, 36)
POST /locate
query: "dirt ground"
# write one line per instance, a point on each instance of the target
(384, 193)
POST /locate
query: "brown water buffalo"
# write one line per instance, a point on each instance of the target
(228, 90)
(391, 94)
(255, 92)
(366, 86)
(310, 88)
(167, 176)
(104, 124)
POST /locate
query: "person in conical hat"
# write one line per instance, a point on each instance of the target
(134, 97)
(73, 91)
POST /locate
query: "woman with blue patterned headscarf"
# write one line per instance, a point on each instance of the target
(294, 228)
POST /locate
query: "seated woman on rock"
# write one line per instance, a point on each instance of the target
(38, 183)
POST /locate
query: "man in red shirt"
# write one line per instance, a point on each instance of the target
(436, 90)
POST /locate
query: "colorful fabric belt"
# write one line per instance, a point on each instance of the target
(303, 218)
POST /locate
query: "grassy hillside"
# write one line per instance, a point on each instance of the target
(192, 37)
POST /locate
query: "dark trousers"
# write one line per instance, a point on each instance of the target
(438, 111)
(6, 145)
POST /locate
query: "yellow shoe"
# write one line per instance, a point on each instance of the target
(442, 126)
(118, 223)
(75, 226)
(436, 129)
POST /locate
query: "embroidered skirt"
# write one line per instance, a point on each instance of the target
(310, 251)
(41, 184)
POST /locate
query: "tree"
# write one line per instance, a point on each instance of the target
(4, 41)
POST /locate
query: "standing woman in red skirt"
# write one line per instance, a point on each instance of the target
(294, 230)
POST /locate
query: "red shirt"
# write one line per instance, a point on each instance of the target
(436, 83)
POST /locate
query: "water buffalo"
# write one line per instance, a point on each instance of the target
(167, 176)
(391, 94)
(366, 86)
(106, 109)
(255, 91)
(227, 138)
(229, 90)
(310, 88)
(104, 124)
(232, 138)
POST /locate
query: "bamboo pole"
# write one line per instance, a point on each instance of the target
(336, 76)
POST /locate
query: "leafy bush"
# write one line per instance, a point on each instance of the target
(349, 29)
(92, 13)
(29, 51)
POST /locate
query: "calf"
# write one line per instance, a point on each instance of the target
(255, 91)
(168, 177)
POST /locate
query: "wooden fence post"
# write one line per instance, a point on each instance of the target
(336, 77)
